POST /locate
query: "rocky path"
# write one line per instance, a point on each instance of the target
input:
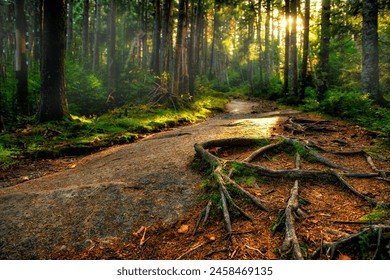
(110, 194)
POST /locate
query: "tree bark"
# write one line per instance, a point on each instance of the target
(155, 62)
(305, 54)
(166, 35)
(323, 69)
(69, 27)
(53, 104)
(370, 63)
(286, 49)
(181, 84)
(294, 49)
(96, 49)
(111, 55)
(21, 59)
(85, 34)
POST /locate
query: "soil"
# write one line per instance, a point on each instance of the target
(142, 200)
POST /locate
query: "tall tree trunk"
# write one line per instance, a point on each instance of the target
(370, 63)
(111, 60)
(180, 84)
(305, 55)
(323, 69)
(145, 50)
(166, 36)
(194, 44)
(155, 62)
(250, 38)
(286, 49)
(69, 28)
(267, 44)
(96, 43)
(260, 42)
(2, 66)
(21, 58)
(53, 104)
(294, 49)
(85, 34)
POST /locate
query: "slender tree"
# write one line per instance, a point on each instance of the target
(85, 34)
(21, 58)
(324, 69)
(305, 55)
(370, 63)
(294, 49)
(53, 103)
(111, 60)
(286, 48)
(267, 42)
(96, 49)
(180, 83)
(69, 27)
(155, 60)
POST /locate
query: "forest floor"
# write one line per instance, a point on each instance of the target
(142, 200)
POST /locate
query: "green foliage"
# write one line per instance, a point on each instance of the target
(346, 104)
(358, 108)
(310, 103)
(86, 92)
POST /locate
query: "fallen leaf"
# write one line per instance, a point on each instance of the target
(344, 257)
(183, 229)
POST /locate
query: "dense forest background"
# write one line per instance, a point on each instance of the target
(80, 59)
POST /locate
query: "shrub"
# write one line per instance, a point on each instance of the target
(346, 104)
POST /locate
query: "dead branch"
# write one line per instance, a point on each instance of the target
(196, 246)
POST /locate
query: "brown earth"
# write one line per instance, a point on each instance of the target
(141, 201)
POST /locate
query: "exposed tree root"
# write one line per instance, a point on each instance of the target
(330, 248)
(292, 210)
(223, 172)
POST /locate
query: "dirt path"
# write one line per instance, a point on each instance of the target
(111, 193)
(94, 207)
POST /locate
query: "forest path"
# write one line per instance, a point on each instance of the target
(111, 193)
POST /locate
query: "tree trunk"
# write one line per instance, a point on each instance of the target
(53, 104)
(181, 62)
(323, 70)
(96, 50)
(294, 49)
(111, 55)
(370, 63)
(69, 27)
(260, 42)
(286, 49)
(21, 59)
(166, 38)
(155, 62)
(85, 34)
(145, 51)
(305, 54)
(267, 53)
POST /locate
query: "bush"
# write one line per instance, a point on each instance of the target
(350, 105)
(310, 103)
